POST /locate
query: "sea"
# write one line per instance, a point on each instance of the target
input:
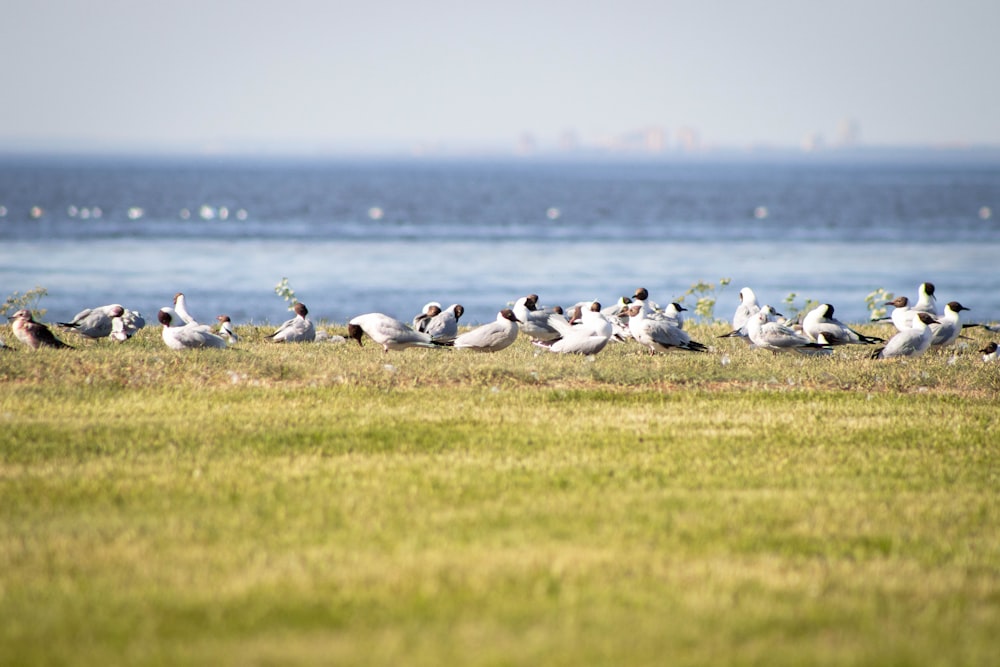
(356, 236)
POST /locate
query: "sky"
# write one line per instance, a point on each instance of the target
(303, 75)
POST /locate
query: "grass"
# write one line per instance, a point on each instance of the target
(332, 504)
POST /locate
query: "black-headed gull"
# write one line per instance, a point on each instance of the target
(534, 320)
(32, 333)
(491, 337)
(747, 308)
(188, 336)
(767, 334)
(587, 332)
(299, 329)
(443, 325)
(430, 309)
(226, 329)
(94, 322)
(659, 335)
(910, 342)
(948, 327)
(388, 332)
(926, 301)
(180, 307)
(820, 321)
(989, 352)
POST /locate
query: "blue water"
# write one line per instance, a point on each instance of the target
(364, 236)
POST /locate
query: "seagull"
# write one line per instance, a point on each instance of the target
(659, 335)
(748, 307)
(187, 336)
(226, 329)
(926, 302)
(776, 337)
(910, 342)
(32, 333)
(534, 321)
(642, 294)
(491, 337)
(949, 326)
(94, 322)
(901, 315)
(180, 307)
(443, 326)
(587, 333)
(296, 330)
(429, 310)
(672, 314)
(388, 332)
(820, 322)
(989, 352)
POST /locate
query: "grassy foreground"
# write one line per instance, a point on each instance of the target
(325, 504)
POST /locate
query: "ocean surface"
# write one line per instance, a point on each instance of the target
(356, 237)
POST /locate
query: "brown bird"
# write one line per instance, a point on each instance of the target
(31, 333)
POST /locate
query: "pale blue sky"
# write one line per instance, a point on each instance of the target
(376, 74)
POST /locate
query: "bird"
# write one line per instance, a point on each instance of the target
(948, 327)
(659, 335)
(747, 308)
(534, 320)
(32, 333)
(672, 313)
(989, 352)
(388, 332)
(443, 325)
(492, 337)
(430, 309)
(767, 334)
(642, 294)
(901, 315)
(820, 322)
(187, 336)
(911, 342)
(226, 329)
(926, 301)
(587, 332)
(180, 307)
(94, 322)
(296, 330)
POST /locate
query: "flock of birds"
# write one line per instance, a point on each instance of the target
(586, 328)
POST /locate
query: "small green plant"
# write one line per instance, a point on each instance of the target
(16, 301)
(706, 295)
(876, 303)
(792, 310)
(283, 290)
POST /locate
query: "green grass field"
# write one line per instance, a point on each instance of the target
(330, 504)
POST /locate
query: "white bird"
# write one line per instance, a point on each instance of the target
(748, 307)
(902, 315)
(296, 330)
(910, 342)
(388, 332)
(642, 294)
(443, 326)
(673, 314)
(926, 301)
(659, 335)
(491, 337)
(776, 337)
(534, 320)
(587, 332)
(820, 322)
(948, 327)
(94, 322)
(187, 336)
(226, 329)
(180, 307)
(429, 310)
(32, 333)
(989, 352)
